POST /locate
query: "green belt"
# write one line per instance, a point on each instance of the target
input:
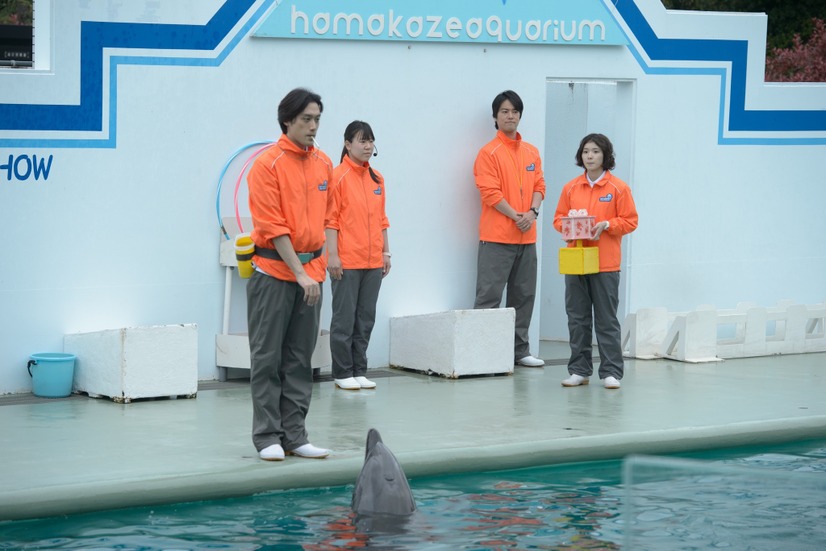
(272, 254)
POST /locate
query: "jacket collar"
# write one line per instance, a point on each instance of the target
(502, 136)
(354, 165)
(601, 182)
(286, 144)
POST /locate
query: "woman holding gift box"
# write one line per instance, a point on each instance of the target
(591, 300)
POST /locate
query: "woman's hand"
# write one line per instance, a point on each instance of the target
(598, 229)
(334, 266)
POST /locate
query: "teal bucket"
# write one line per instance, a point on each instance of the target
(52, 374)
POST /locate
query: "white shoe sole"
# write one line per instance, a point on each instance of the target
(571, 385)
(275, 458)
(367, 385)
(309, 456)
(353, 386)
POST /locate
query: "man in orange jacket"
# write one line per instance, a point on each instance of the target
(508, 173)
(288, 202)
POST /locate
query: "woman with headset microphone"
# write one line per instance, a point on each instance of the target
(358, 254)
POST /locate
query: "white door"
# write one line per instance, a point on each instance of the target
(574, 109)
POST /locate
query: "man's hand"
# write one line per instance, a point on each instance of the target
(524, 220)
(312, 290)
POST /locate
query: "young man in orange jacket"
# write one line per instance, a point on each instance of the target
(288, 202)
(508, 173)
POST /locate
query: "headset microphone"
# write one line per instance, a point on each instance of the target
(375, 151)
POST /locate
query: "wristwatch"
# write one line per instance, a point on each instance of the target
(535, 211)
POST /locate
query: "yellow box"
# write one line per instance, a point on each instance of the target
(579, 260)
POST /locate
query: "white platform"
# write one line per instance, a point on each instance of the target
(708, 334)
(454, 343)
(136, 362)
(233, 351)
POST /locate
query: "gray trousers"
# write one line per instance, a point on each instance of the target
(354, 314)
(501, 264)
(283, 332)
(597, 293)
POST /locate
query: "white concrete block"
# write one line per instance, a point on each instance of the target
(754, 338)
(692, 337)
(454, 343)
(749, 337)
(136, 362)
(643, 332)
(815, 337)
(746, 331)
(794, 331)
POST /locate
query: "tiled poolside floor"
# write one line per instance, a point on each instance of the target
(81, 454)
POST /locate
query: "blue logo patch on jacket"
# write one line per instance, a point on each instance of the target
(322, 186)
(531, 167)
(377, 191)
(606, 199)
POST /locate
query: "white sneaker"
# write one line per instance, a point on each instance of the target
(575, 380)
(611, 382)
(309, 451)
(272, 453)
(364, 382)
(349, 383)
(530, 361)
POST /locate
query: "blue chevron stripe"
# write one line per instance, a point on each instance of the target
(95, 36)
(734, 52)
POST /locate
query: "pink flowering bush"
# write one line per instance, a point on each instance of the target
(803, 62)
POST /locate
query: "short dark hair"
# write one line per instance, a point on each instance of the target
(602, 142)
(294, 103)
(510, 96)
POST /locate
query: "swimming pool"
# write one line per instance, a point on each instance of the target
(574, 506)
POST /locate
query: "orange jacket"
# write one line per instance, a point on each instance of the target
(288, 196)
(610, 199)
(511, 170)
(355, 207)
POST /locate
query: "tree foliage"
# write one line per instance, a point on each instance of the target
(786, 18)
(803, 62)
(16, 12)
(795, 41)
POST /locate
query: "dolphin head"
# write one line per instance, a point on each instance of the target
(381, 487)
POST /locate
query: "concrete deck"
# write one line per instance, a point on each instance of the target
(79, 454)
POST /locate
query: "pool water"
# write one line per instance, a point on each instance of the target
(565, 507)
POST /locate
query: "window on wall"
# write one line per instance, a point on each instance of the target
(16, 33)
